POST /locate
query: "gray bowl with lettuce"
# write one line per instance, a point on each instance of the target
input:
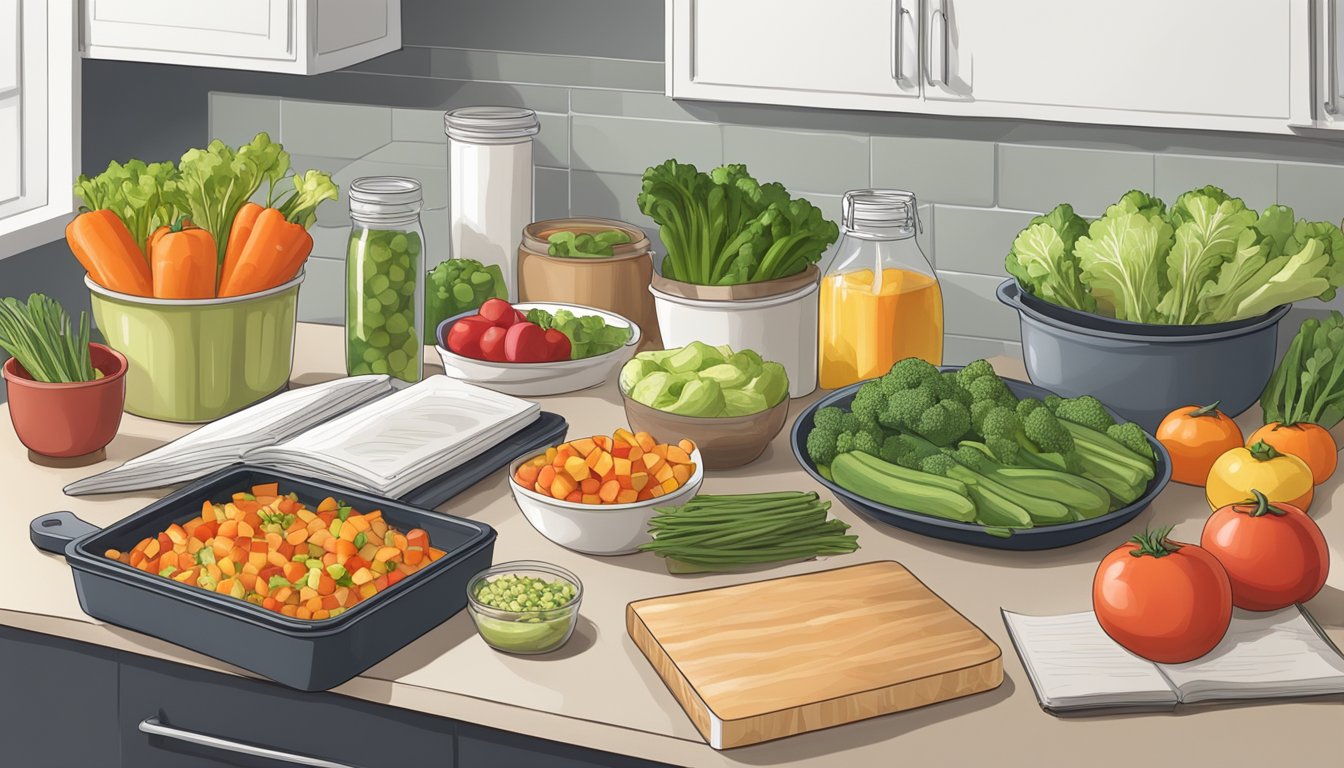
(1150, 308)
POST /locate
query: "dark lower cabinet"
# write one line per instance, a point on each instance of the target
(58, 702)
(67, 704)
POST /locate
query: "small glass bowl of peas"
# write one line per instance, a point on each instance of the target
(524, 606)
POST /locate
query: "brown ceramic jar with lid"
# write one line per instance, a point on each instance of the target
(618, 283)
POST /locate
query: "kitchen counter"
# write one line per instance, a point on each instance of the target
(599, 692)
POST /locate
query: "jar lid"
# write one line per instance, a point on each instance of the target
(385, 190)
(491, 125)
(883, 208)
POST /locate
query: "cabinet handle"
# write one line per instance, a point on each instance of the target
(939, 15)
(151, 725)
(1331, 42)
(898, 14)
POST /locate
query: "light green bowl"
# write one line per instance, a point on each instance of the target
(195, 360)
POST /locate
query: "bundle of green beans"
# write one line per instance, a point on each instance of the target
(39, 336)
(721, 533)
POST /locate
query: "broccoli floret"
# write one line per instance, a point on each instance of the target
(894, 450)
(829, 417)
(937, 464)
(1085, 410)
(975, 370)
(980, 409)
(1133, 437)
(909, 373)
(1006, 449)
(821, 444)
(1044, 430)
(867, 411)
(1052, 402)
(903, 408)
(870, 390)
(850, 423)
(865, 442)
(1026, 405)
(907, 450)
(992, 389)
(844, 442)
(945, 423)
(972, 459)
(948, 389)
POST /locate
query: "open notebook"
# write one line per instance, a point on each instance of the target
(359, 431)
(1076, 668)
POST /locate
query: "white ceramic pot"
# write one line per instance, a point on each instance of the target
(782, 328)
(598, 529)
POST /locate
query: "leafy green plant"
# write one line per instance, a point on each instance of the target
(1308, 385)
(140, 193)
(39, 336)
(1208, 259)
(726, 228)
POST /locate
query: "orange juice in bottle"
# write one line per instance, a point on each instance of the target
(880, 300)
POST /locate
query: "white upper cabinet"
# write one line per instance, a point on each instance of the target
(780, 51)
(293, 36)
(1209, 64)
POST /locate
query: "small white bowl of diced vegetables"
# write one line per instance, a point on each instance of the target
(729, 402)
(535, 349)
(962, 454)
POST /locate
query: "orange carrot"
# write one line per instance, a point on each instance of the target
(268, 252)
(184, 263)
(103, 244)
(239, 233)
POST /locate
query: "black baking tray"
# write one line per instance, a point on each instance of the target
(307, 655)
(549, 429)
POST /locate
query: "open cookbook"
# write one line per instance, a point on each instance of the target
(1075, 668)
(359, 431)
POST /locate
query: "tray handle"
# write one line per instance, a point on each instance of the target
(52, 531)
(155, 727)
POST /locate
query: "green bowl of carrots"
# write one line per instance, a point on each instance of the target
(196, 360)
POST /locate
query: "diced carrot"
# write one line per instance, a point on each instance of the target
(152, 548)
(345, 550)
(435, 554)
(639, 480)
(168, 559)
(546, 476)
(590, 498)
(590, 486)
(645, 494)
(636, 453)
(645, 441)
(229, 528)
(602, 441)
(575, 496)
(297, 537)
(328, 505)
(609, 491)
(576, 468)
(682, 472)
(266, 489)
(669, 485)
(677, 455)
(176, 534)
(620, 450)
(527, 474)
(620, 466)
(387, 555)
(325, 584)
(686, 445)
(563, 485)
(394, 576)
(627, 496)
(550, 454)
(652, 461)
(604, 464)
(348, 532)
(414, 555)
(294, 571)
(266, 501)
(623, 435)
(655, 490)
(664, 473)
(270, 604)
(584, 446)
(562, 453)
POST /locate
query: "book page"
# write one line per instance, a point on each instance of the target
(1073, 664)
(1279, 653)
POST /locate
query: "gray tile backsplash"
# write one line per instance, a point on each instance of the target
(604, 120)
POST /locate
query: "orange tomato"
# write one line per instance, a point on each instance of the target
(1163, 600)
(1309, 442)
(1274, 554)
(1195, 437)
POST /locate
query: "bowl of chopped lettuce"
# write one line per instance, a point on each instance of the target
(1151, 307)
(599, 342)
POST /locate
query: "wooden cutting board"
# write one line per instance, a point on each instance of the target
(767, 659)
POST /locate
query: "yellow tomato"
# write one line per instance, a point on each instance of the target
(1279, 476)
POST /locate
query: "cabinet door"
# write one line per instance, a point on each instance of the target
(798, 52)
(1055, 59)
(259, 29)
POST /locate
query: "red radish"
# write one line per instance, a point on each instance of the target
(519, 317)
(525, 343)
(492, 344)
(499, 312)
(464, 336)
(557, 345)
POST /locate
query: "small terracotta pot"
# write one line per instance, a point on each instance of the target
(67, 420)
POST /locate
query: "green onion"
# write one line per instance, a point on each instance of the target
(39, 336)
(714, 533)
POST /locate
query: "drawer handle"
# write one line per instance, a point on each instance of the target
(151, 725)
(1331, 63)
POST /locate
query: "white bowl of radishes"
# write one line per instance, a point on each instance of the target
(498, 347)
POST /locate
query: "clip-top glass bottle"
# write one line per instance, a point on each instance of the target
(880, 299)
(383, 272)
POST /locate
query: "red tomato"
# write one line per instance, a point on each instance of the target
(492, 344)
(558, 346)
(464, 336)
(525, 343)
(1163, 600)
(499, 312)
(1274, 554)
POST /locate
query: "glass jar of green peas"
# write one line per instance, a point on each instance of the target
(384, 266)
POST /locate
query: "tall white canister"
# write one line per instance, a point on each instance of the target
(490, 184)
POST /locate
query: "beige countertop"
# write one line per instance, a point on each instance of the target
(599, 691)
